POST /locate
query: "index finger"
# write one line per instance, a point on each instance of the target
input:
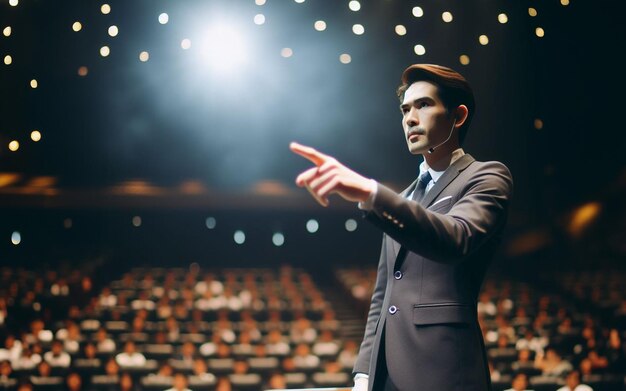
(312, 154)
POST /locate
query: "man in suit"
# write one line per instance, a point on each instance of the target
(440, 234)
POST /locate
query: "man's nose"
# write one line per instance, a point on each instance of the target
(411, 118)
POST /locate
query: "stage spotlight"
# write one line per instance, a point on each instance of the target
(35, 135)
(420, 50)
(224, 48)
(164, 18)
(105, 9)
(7, 31)
(8, 60)
(113, 31)
(14, 145)
(34, 84)
(77, 26)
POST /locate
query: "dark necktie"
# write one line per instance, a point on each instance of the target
(420, 189)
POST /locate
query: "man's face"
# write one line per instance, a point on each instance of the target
(425, 120)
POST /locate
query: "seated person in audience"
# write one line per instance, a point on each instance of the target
(326, 345)
(572, 383)
(89, 358)
(143, 301)
(519, 383)
(223, 384)
(27, 360)
(74, 382)
(127, 383)
(532, 342)
(107, 299)
(303, 358)
(244, 346)
(289, 365)
(12, 349)
(111, 367)
(25, 387)
(348, 354)
(57, 357)
(598, 363)
(71, 337)
(6, 373)
(130, 357)
(302, 332)
(180, 383)
(201, 371)
(240, 367)
(616, 352)
(276, 344)
(551, 363)
(277, 381)
(494, 373)
(186, 356)
(210, 348)
(44, 375)
(524, 361)
(104, 344)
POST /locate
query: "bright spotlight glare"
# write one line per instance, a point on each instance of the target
(224, 48)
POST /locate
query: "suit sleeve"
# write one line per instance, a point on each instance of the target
(365, 352)
(478, 214)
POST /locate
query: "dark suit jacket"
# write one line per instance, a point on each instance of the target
(433, 259)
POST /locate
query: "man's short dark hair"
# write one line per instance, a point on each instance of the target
(454, 90)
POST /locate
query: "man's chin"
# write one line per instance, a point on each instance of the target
(417, 150)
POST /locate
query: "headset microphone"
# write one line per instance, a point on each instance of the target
(432, 149)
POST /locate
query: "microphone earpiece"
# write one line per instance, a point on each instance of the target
(432, 149)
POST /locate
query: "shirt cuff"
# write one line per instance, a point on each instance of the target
(369, 203)
(361, 376)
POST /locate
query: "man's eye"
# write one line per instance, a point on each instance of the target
(423, 104)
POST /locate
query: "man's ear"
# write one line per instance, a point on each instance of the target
(460, 114)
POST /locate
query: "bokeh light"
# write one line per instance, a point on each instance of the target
(259, 19)
(503, 18)
(239, 237)
(464, 59)
(400, 30)
(144, 56)
(105, 9)
(354, 5)
(14, 145)
(113, 31)
(164, 18)
(34, 84)
(319, 25)
(483, 39)
(77, 26)
(6, 31)
(358, 29)
(16, 238)
(278, 239)
(420, 50)
(105, 51)
(345, 58)
(286, 52)
(312, 226)
(185, 43)
(35, 135)
(447, 17)
(418, 12)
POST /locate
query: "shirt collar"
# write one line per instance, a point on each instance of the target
(456, 155)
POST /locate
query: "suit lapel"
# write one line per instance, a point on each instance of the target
(449, 175)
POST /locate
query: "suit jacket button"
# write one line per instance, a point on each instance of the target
(393, 309)
(397, 275)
